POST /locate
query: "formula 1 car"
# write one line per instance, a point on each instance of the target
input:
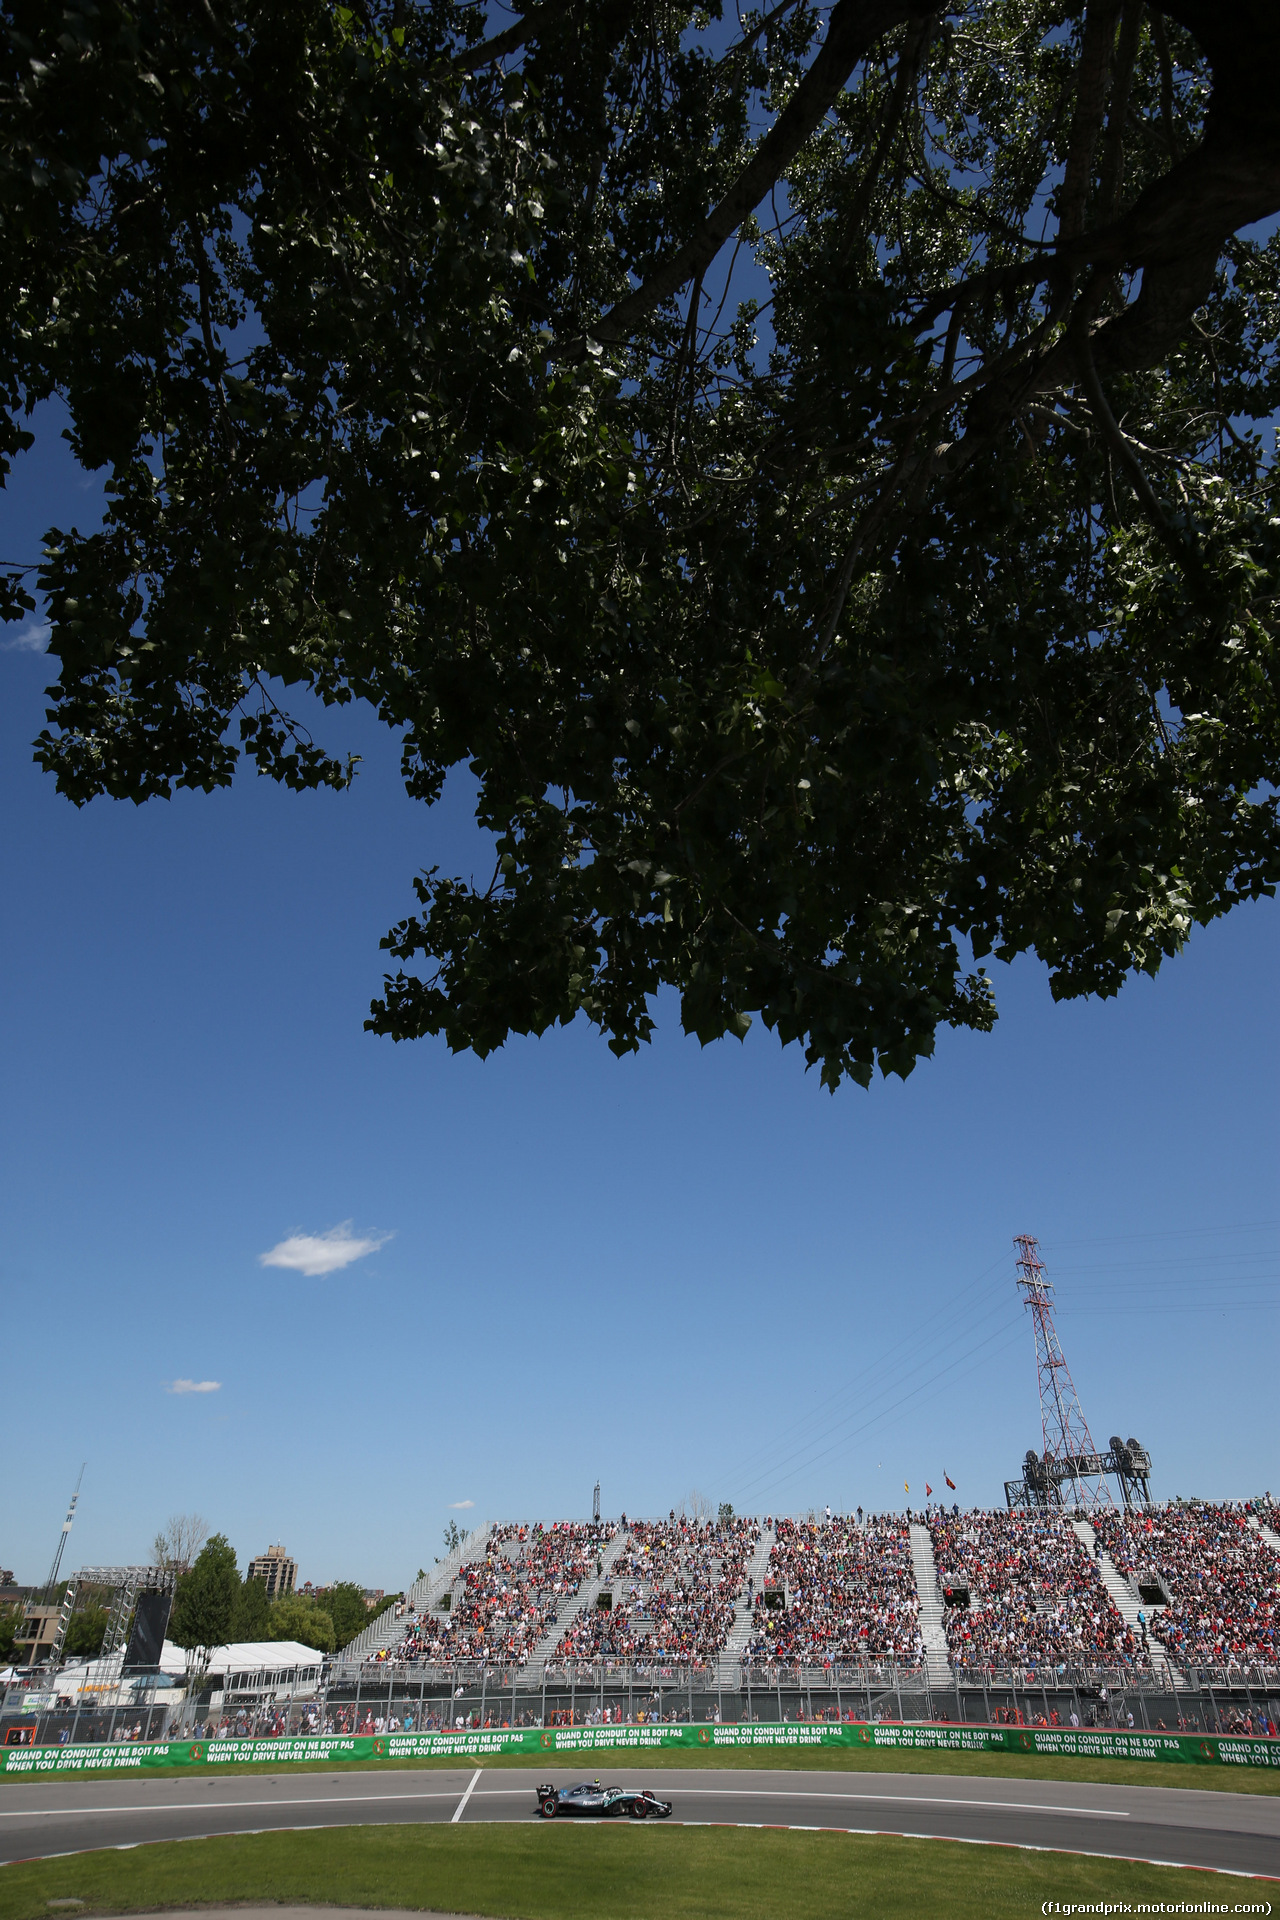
(588, 1796)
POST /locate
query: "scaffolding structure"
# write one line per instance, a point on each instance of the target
(125, 1583)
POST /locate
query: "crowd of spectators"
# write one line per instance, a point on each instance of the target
(672, 1594)
(843, 1589)
(849, 1590)
(1222, 1579)
(509, 1598)
(1036, 1598)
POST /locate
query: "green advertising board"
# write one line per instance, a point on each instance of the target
(537, 1743)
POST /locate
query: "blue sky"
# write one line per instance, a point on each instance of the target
(687, 1270)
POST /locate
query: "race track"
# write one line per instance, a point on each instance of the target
(1179, 1827)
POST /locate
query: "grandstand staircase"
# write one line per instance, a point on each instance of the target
(729, 1663)
(934, 1635)
(1127, 1605)
(422, 1596)
(1269, 1534)
(550, 1640)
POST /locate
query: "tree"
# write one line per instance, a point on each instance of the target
(10, 1622)
(726, 1513)
(179, 1541)
(453, 1538)
(344, 1603)
(296, 1617)
(205, 1603)
(86, 1632)
(809, 474)
(252, 1611)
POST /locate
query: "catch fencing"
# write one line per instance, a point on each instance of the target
(390, 1700)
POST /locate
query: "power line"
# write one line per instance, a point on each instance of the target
(884, 1414)
(1171, 1233)
(908, 1347)
(876, 1414)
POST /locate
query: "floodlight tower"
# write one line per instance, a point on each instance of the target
(1069, 1452)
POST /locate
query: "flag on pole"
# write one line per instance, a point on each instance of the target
(927, 1489)
(905, 1487)
(950, 1482)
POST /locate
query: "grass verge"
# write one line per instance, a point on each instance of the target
(594, 1873)
(974, 1766)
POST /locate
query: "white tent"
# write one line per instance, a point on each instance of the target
(253, 1666)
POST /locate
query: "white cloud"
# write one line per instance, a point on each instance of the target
(461, 1505)
(32, 639)
(328, 1252)
(194, 1386)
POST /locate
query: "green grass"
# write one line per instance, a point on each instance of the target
(595, 1873)
(989, 1766)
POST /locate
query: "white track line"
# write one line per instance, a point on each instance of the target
(877, 1799)
(457, 1812)
(909, 1800)
(216, 1806)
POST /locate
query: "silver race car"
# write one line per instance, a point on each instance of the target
(589, 1797)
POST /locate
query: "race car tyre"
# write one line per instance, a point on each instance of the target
(639, 1811)
(548, 1809)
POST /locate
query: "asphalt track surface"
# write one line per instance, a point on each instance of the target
(1175, 1826)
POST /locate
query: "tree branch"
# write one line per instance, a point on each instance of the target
(1092, 82)
(511, 39)
(852, 31)
(1111, 170)
(1184, 552)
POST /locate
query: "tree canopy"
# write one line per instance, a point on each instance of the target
(253, 1610)
(86, 1631)
(298, 1617)
(206, 1600)
(810, 468)
(344, 1603)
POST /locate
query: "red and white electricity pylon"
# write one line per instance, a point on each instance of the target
(1070, 1457)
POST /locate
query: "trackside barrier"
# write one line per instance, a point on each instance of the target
(537, 1742)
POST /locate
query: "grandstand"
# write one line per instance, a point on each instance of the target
(1159, 1617)
(1210, 1580)
(1156, 1599)
(672, 1594)
(847, 1592)
(1021, 1591)
(504, 1604)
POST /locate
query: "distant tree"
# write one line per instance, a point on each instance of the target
(345, 1605)
(698, 1506)
(296, 1617)
(206, 1603)
(10, 1621)
(179, 1541)
(726, 1513)
(252, 1610)
(453, 1537)
(87, 1631)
